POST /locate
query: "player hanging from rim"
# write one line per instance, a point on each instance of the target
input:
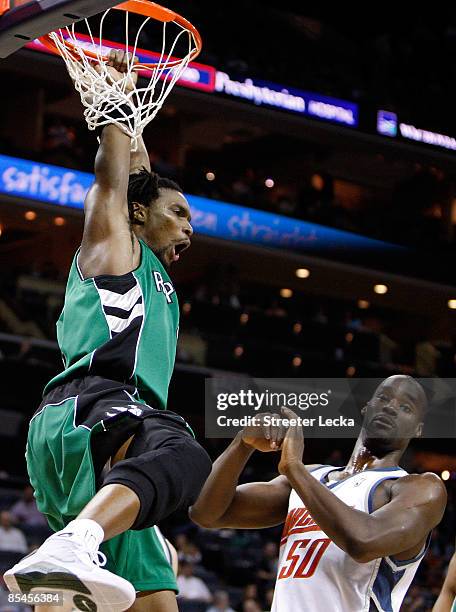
(353, 536)
(106, 460)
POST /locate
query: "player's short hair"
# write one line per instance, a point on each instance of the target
(423, 396)
(144, 188)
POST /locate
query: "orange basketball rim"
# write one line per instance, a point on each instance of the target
(148, 10)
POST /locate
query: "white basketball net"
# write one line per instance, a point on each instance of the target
(100, 95)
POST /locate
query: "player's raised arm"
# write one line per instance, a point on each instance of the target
(108, 245)
(224, 503)
(417, 505)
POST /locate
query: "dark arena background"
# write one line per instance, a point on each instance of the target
(319, 158)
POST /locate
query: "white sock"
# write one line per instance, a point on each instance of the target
(87, 530)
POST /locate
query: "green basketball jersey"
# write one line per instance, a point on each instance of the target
(123, 328)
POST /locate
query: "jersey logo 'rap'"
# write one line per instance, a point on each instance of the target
(164, 286)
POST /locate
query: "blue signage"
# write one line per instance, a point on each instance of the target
(289, 99)
(43, 182)
(386, 123)
(231, 222)
(64, 187)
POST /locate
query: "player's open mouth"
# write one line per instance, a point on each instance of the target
(179, 248)
(384, 420)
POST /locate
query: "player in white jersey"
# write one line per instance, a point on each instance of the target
(353, 536)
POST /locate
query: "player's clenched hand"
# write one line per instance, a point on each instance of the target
(267, 435)
(293, 443)
(116, 67)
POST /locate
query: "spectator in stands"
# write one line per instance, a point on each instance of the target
(387, 350)
(386, 346)
(187, 551)
(220, 286)
(426, 358)
(11, 538)
(244, 188)
(191, 347)
(414, 600)
(251, 605)
(221, 602)
(275, 309)
(59, 136)
(15, 320)
(286, 205)
(353, 321)
(249, 595)
(335, 457)
(192, 588)
(318, 198)
(227, 286)
(281, 199)
(60, 144)
(25, 511)
(267, 570)
(320, 316)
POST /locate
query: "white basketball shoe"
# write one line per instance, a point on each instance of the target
(71, 563)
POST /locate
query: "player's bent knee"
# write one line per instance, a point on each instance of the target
(167, 479)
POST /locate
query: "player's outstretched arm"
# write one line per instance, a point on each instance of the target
(447, 595)
(108, 246)
(417, 505)
(224, 503)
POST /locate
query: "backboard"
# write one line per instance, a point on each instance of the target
(24, 20)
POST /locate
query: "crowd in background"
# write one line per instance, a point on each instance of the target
(249, 327)
(414, 213)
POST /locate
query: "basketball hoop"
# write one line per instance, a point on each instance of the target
(99, 94)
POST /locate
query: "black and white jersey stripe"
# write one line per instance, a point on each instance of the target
(122, 303)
